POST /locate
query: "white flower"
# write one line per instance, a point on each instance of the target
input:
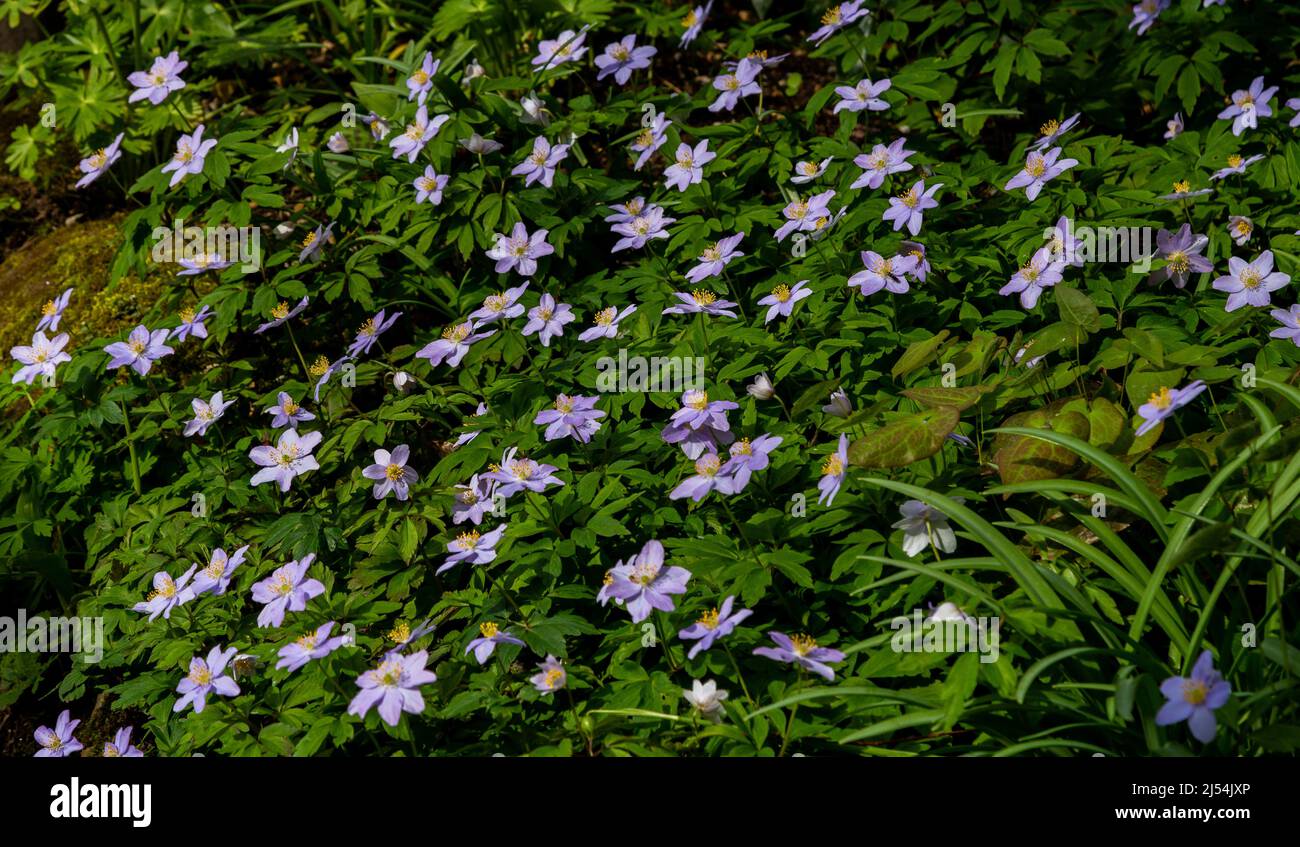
(839, 406)
(535, 111)
(923, 526)
(707, 697)
(761, 388)
(402, 381)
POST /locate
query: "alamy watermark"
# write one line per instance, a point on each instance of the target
(676, 374)
(52, 635)
(200, 248)
(946, 630)
(1129, 245)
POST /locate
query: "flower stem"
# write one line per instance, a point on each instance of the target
(130, 445)
(740, 677)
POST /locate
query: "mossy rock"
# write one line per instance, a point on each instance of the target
(79, 256)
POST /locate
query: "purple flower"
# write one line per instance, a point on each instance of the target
(1040, 168)
(287, 413)
(52, 312)
(836, 18)
(40, 358)
(1165, 402)
(708, 477)
(1248, 284)
(700, 300)
(805, 215)
(97, 164)
(735, 85)
(693, 23)
(370, 331)
(749, 456)
(883, 273)
(1182, 255)
(202, 263)
(547, 319)
(410, 142)
(473, 500)
(453, 345)
(621, 58)
(191, 152)
(218, 573)
(781, 301)
(712, 625)
(140, 350)
(519, 251)
(206, 414)
(650, 139)
(715, 258)
(700, 424)
(1294, 105)
(833, 472)
(624, 212)
(1064, 246)
(403, 636)
(287, 589)
(808, 171)
(1052, 130)
(167, 594)
(162, 78)
(206, 677)
(688, 167)
(500, 306)
(473, 548)
(881, 162)
(290, 457)
(59, 742)
(322, 369)
(392, 473)
(605, 324)
(420, 82)
(1248, 105)
(1041, 272)
(542, 162)
(490, 635)
(121, 747)
(1145, 14)
(1194, 699)
(282, 313)
(1236, 165)
(644, 584)
(1240, 228)
(916, 251)
(639, 230)
(314, 241)
(863, 96)
(573, 416)
(338, 143)
(192, 323)
(1290, 321)
(567, 47)
(394, 686)
(803, 651)
(520, 474)
(907, 209)
(1174, 126)
(552, 677)
(430, 186)
(1183, 190)
(313, 645)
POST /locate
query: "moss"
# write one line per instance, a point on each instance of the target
(79, 256)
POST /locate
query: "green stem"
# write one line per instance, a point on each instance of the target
(130, 445)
